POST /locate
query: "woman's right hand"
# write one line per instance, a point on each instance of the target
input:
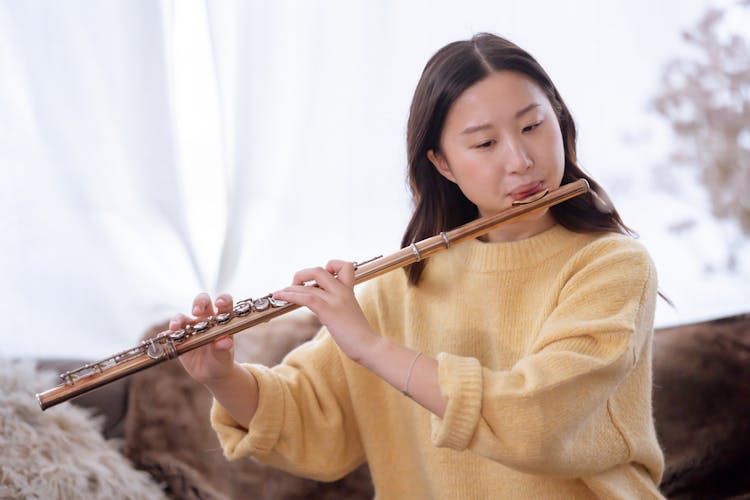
(212, 362)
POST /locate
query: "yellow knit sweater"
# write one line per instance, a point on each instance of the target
(544, 355)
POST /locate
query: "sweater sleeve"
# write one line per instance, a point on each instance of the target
(304, 421)
(550, 412)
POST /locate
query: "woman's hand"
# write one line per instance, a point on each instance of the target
(212, 362)
(333, 302)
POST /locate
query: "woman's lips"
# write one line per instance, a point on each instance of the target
(526, 190)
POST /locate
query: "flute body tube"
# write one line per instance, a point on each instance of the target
(250, 312)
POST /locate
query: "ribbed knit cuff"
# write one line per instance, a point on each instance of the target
(265, 427)
(460, 381)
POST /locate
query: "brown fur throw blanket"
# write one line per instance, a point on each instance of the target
(59, 453)
(701, 404)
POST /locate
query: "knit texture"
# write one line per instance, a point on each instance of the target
(544, 359)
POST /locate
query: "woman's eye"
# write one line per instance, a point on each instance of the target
(531, 127)
(484, 145)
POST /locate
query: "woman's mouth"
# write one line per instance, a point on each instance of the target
(526, 190)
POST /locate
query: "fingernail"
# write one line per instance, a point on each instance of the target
(197, 310)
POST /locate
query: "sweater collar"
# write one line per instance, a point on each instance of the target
(481, 256)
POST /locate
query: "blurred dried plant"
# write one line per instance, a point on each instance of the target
(706, 99)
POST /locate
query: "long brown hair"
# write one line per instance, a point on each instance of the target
(439, 205)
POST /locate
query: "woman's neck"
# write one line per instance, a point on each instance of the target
(526, 227)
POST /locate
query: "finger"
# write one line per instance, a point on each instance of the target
(223, 350)
(343, 270)
(224, 303)
(322, 277)
(202, 305)
(178, 321)
(301, 295)
(299, 276)
(224, 343)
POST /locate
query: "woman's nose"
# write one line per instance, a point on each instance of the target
(515, 158)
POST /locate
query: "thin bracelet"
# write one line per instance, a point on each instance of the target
(405, 392)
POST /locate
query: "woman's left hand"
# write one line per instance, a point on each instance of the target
(333, 302)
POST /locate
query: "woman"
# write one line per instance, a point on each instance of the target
(525, 358)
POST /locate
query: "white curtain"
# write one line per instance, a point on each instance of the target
(150, 150)
(93, 223)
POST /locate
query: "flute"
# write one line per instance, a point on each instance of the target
(250, 312)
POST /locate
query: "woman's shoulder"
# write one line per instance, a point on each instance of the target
(605, 243)
(614, 251)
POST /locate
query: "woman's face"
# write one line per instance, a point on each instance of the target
(501, 142)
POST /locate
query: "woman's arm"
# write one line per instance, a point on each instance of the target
(269, 413)
(213, 365)
(333, 301)
(237, 393)
(579, 402)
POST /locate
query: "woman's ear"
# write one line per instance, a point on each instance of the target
(441, 164)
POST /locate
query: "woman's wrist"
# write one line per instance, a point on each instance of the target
(237, 392)
(222, 380)
(375, 350)
(407, 370)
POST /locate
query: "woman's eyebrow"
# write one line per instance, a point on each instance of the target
(526, 109)
(476, 128)
(485, 126)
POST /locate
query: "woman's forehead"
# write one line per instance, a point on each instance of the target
(503, 94)
(502, 88)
